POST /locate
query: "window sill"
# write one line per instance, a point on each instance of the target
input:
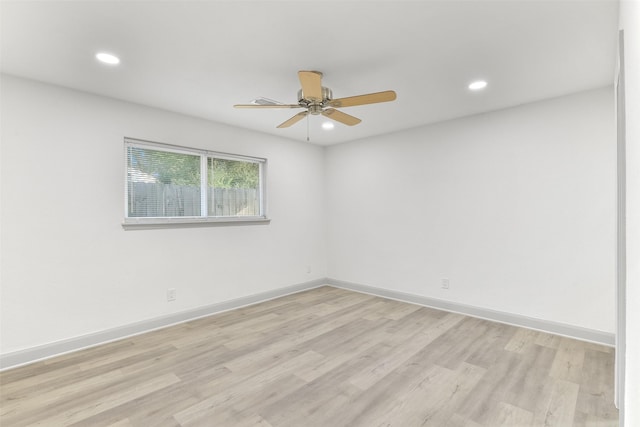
(154, 223)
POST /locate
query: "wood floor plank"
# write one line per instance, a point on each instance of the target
(339, 355)
(561, 406)
(569, 361)
(490, 347)
(510, 415)
(458, 344)
(548, 340)
(432, 404)
(243, 389)
(459, 421)
(522, 341)
(313, 395)
(410, 345)
(51, 397)
(121, 423)
(323, 357)
(596, 386)
(72, 412)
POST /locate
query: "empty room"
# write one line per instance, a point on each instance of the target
(320, 213)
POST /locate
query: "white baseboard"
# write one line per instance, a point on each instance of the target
(46, 351)
(571, 331)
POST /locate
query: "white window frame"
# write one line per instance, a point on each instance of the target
(203, 219)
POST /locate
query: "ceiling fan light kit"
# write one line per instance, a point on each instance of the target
(107, 58)
(477, 85)
(318, 100)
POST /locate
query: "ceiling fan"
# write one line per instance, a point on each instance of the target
(317, 99)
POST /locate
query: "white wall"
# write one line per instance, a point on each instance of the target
(630, 23)
(68, 267)
(515, 207)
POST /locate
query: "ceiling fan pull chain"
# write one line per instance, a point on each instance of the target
(307, 127)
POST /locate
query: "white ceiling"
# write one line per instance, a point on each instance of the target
(201, 57)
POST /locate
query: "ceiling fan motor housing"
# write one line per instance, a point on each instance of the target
(315, 107)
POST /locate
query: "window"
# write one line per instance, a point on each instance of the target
(168, 184)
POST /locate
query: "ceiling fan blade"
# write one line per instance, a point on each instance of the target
(311, 82)
(267, 106)
(341, 117)
(293, 120)
(371, 98)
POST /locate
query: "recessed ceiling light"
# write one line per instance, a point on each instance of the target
(327, 126)
(107, 58)
(478, 85)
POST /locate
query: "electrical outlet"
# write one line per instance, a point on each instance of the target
(445, 284)
(171, 294)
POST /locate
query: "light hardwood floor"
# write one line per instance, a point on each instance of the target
(324, 357)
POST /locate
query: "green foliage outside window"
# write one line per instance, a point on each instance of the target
(184, 169)
(233, 174)
(166, 167)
